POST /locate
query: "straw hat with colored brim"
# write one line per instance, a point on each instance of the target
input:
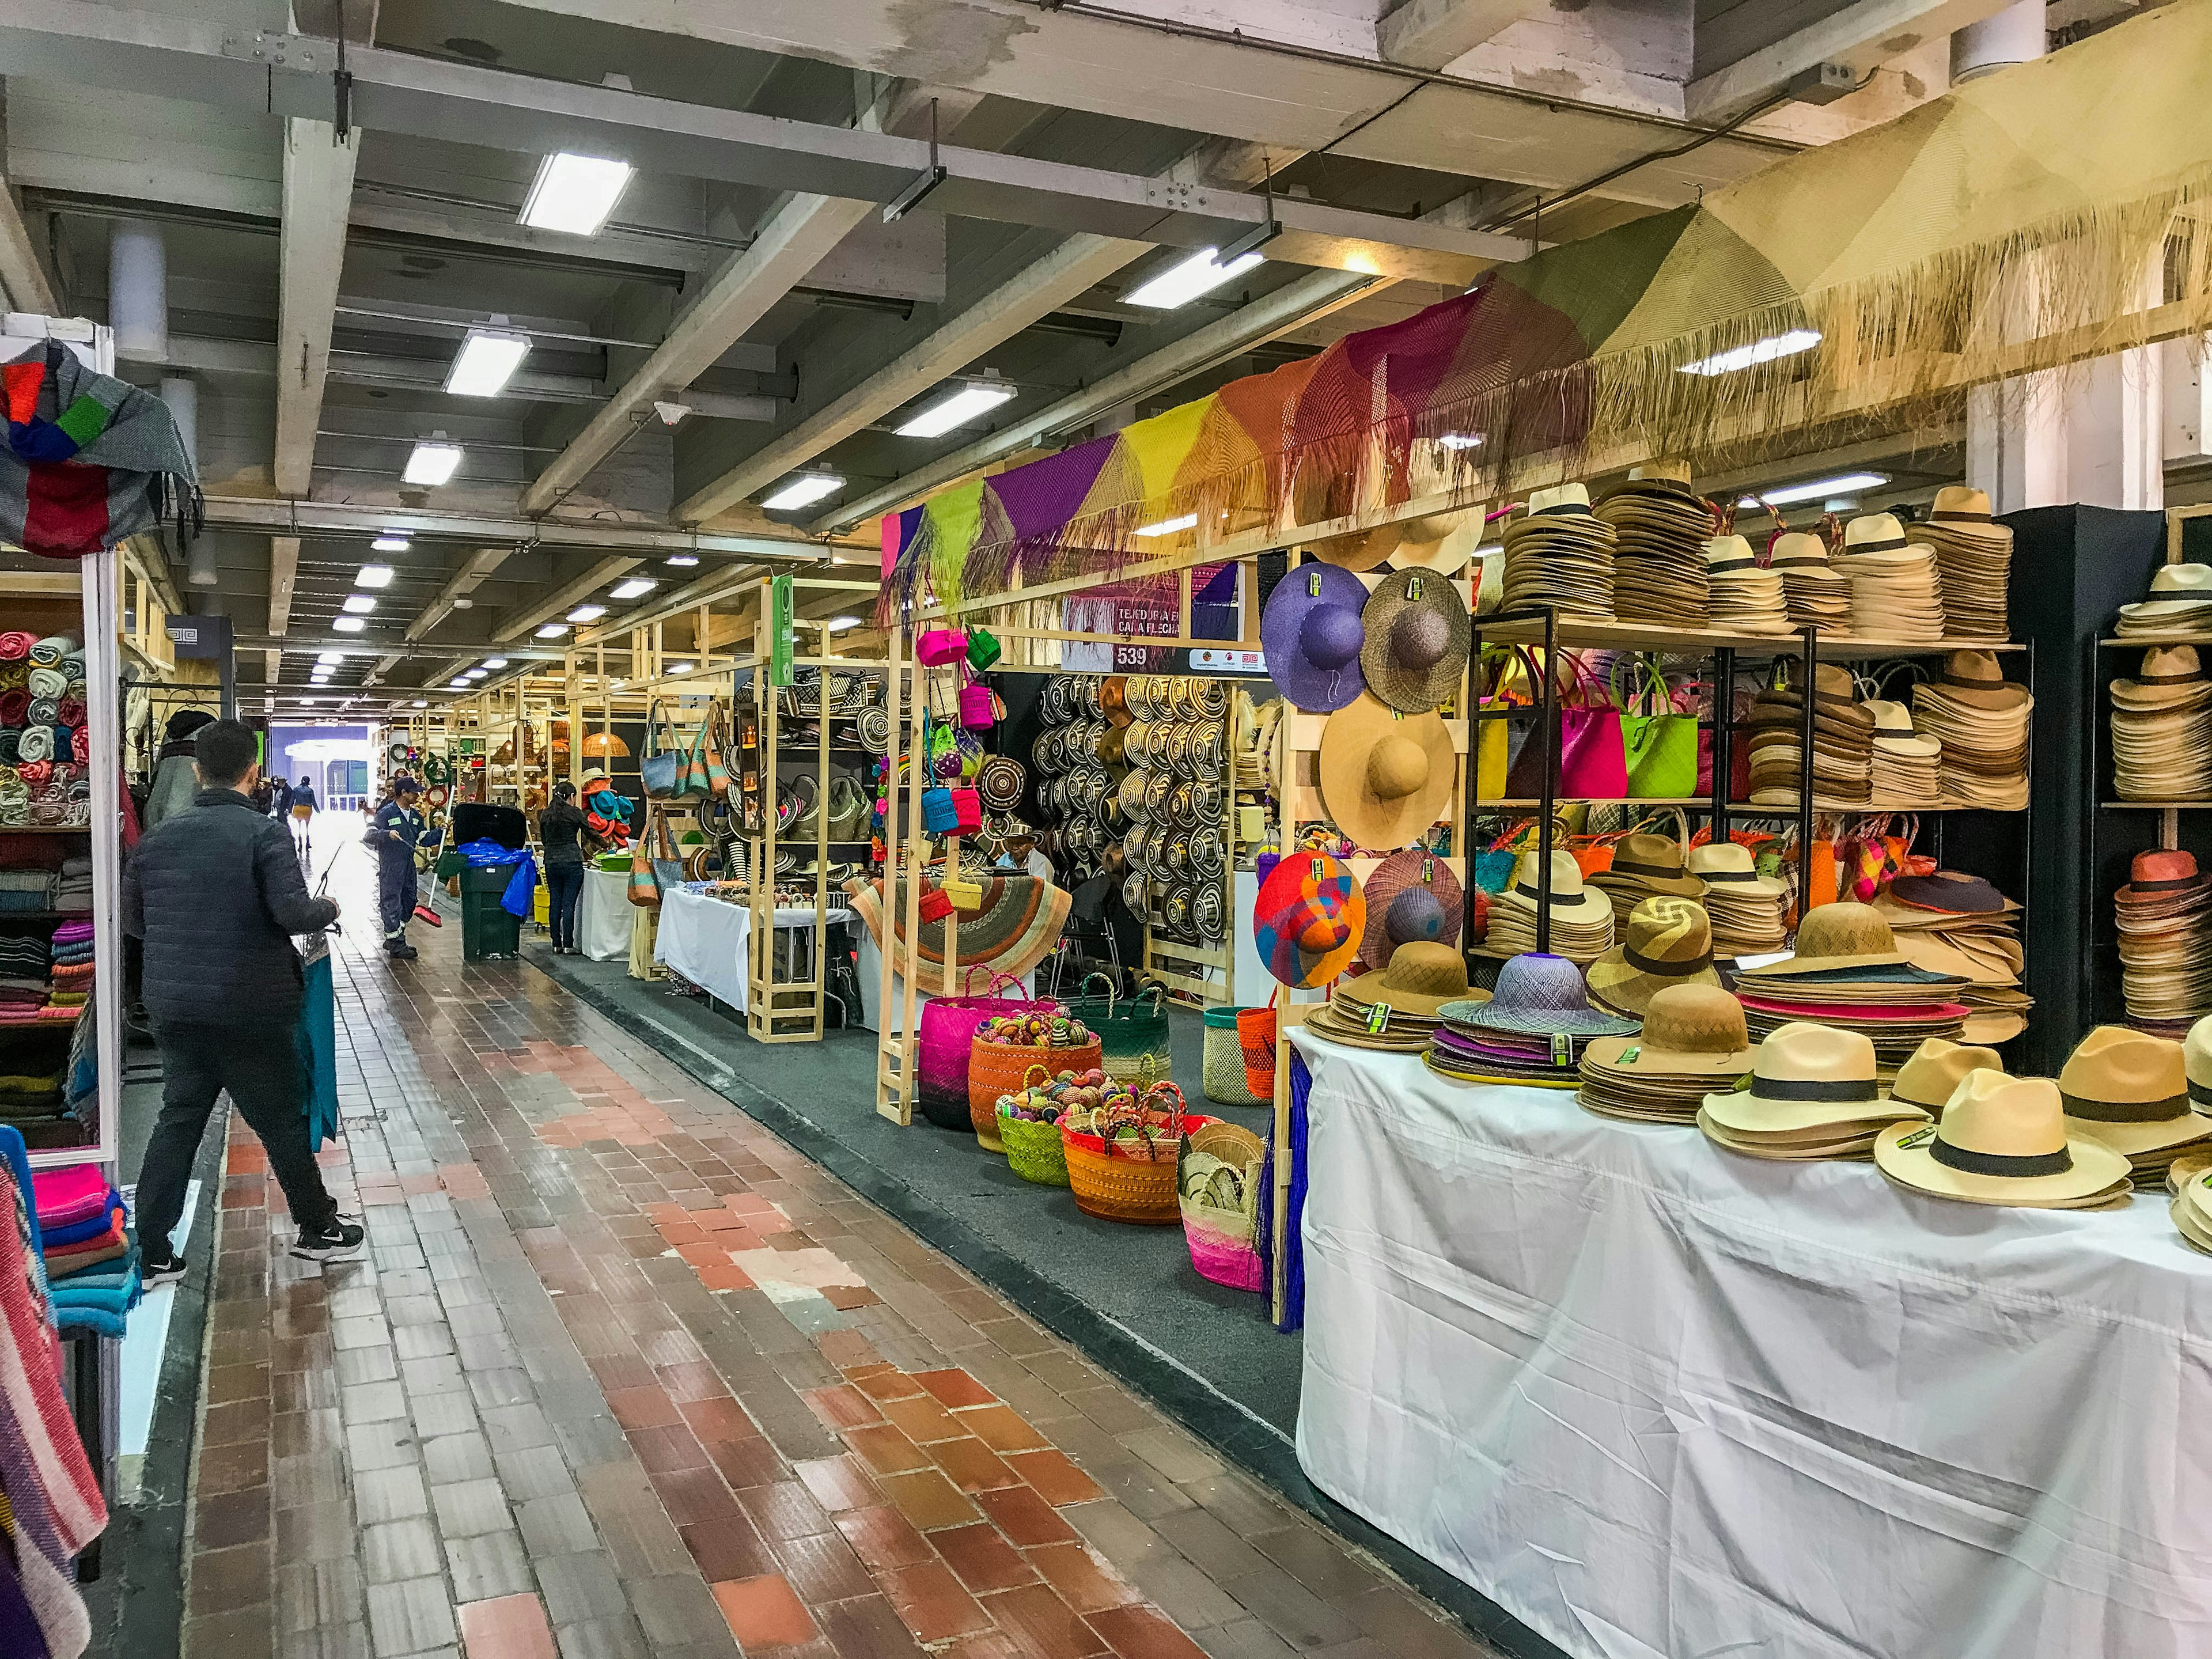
(1572, 899)
(2003, 1140)
(1935, 1069)
(1953, 892)
(1540, 996)
(1893, 733)
(1726, 865)
(1807, 1077)
(1307, 919)
(1654, 864)
(1689, 1030)
(1411, 894)
(1312, 634)
(1422, 976)
(2129, 1090)
(1842, 935)
(2170, 674)
(2179, 592)
(1357, 550)
(1385, 777)
(1873, 533)
(1418, 632)
(1669, 942)
(1441, 542)
(1977, 679)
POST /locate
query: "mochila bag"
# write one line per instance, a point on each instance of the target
(939, 815)
(940, 645)
(1660, 744)
(667, 865)
(661, 768)
(982, 649)
(946, 1030)
(713, 739)
(1503, 722)
(965, 893)
(1221, 1062)
(978, 706)
(644, 892)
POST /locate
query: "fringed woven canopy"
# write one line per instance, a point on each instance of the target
(2011, 225)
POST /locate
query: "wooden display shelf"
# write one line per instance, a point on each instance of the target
(2139, 641)
(1578, 633)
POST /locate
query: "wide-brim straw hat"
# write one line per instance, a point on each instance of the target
(1936, 1070)
(1977, 679)
(1422, 976)
(1542, 996)
(1441, 542)
(1653, 864)
(1307, 919)
(1966, 512)
(1807, 1077)
(1312, 634)
(1873, 532)
(1411, 894)
(1893, 733)
(2129, 1090)
(2171, 675)
(1952, 892)
(1689, 1030)
(2003, 1140)
(1802, 552)
(1385, 776)
(1357, 550)
(2179, 592)
(1669, 942)
(1417, 637)
(1726, 868)
(1572, 899)
(1846, 934)
(2196, 1062)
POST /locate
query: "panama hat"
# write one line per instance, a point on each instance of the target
(2003, 1140)
(2171, 675)
(1873, 533)
(1801, 549)
(1810, 1082)
(1977, 679)
(1893, 733)
(1566, 500)
(2180, 598)
(1927, 1080)
(1418, 632)
(1645, 867)
(1357, 550)
(1953, 892)
(1559, 554)
(1411, 894)
(1660, 525)
(2129, 1090)
(1973, 556)
(1729, 864)
(1385, 777)
(1308, 918)
(1836, 936)
(1692, 1036)
(1422, 976)
(1669, 942)
(1312, 635)
(1539, 995)
(1441, 542)
(2196, 1062)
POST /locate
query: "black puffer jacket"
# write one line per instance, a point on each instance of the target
(216, 892)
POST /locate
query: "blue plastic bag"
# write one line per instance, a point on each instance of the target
(319, 1047)
(522, 890)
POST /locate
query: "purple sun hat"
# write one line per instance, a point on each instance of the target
(1312, 634)
(1542, 995)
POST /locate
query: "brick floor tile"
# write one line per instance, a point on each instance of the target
(971, 1465)
(1057, 1480)
(880, 1386)
(930, 1601)
(728, 1549)
(842, 1407)
(955, 1388)
(838, 1483)
(1001, 1428)
(764, 1612)
(928, 1499)
(982, 1558)
(884, 1538)
(718, 1416)
(1025, 1518)
(867, 1627)
(885, 1451)
(1085, 1580)
(1143, 1633)
(1044, 1624)
(918, 1417)
(507, 1627)
(785, 1509)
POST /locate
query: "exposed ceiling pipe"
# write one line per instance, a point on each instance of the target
(2015, 35)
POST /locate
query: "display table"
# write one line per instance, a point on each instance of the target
(704, 939)
(1655, 1400)
(603, 915)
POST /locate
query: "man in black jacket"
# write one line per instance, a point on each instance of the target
(216, 894)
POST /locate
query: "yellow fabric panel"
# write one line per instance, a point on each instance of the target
(1159, 445)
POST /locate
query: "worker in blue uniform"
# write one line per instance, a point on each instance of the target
(393, 833)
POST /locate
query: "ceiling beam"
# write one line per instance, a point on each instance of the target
(1313, 294)
(472, 574)
(517, 622)
(311, 645)
(1432, 33)
(1858, 36)
(24, 277)
(318, 190)
(85, 44)
(284, 571)
(273, 517)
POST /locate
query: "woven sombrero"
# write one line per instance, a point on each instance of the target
(1018, 921)
(1000, 781)
(1307, 919)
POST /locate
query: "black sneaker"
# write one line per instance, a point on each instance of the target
(403, 953)
(160, 1270)
(335, 1240)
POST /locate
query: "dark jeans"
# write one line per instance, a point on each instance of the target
(564, 885)
(395, 894)
(267, 1076)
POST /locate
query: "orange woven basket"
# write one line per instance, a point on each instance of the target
(1126, 1181)
(997, 1069)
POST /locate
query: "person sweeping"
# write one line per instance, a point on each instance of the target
(396, 827)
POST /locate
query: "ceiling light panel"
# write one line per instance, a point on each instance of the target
(390, 541)
(968, 402)
(373, 575)
(347, 624)
(1183, 281)
(359, 603)
(636, 587)
(486, 361)
(804, 491)
(574, 194)
(586, 613)
(431, 464)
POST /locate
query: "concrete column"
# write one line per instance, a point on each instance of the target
(138, 290)
(2013, 36)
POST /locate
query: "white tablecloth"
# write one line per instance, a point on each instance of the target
(1655, 1400)
(868, 961)
(603, 915)
(704, 939)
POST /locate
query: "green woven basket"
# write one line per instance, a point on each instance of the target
(1034, 1150)
(1134, 1039)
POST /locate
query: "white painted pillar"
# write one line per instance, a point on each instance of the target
(181, 394)
(138, 290)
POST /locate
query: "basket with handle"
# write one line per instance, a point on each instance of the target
(1255, 1040)
(1033, 1149)
(1131, 1029)
(997, 1069)
(1221, 1235)
(1128, 1173)
(942, 1038)
(1222, 1070)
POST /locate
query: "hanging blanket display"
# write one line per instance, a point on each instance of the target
(1017, 920)
(89, 460)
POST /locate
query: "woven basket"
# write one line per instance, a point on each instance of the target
(1221, 1239)
(1116, 1182)
(997, 1069)
(1132, 1030)
(1222, 1070)
(943, 1037)
(1033, 1151)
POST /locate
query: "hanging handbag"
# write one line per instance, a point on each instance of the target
(978, 705)
(667, 866)
(1505, 720)
(1593, 762)
(940, 645)
(965, 892)
(717, 775)
(982, 649)
(644, 892)
(1660, 744)
(660, 770)
(934, 905)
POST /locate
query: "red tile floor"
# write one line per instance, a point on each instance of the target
(621, 1374)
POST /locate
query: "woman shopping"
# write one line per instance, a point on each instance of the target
(560, 831)
(303, 815)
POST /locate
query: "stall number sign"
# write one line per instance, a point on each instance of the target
(1130, 614)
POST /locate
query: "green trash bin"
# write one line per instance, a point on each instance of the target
(486, 928)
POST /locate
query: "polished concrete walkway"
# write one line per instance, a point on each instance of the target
(622, 1374)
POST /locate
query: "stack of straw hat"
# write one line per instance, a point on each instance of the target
(1645, 867)
(1935, 1071)
(1817, 594)
(1660, 524)
(1398, 1008)
(1745, 907)
(1746, 597)
(2165, 918)
(1559, 554)
(2179, 606)
(2003, 1140)
(1847, 972)
(1582, 916)
(1815, 1092)
(1895, 591)
(1667, 942)
(1981, 720)
(1960, 924)
(1907, 772)
(2190, 1175)
(1533, 1030)
(1694, 1040)
(2129, 1090)
(2163, 728)
(1973, 560)
(1843, 739)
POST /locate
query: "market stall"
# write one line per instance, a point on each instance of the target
(707, 941)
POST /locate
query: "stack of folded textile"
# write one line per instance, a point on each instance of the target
(26, 890)
(81, 1221)
(72, 971)
(73, 892)
(30, 1087)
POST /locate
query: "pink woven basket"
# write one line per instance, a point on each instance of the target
(1222, 1253)
(942, 1039)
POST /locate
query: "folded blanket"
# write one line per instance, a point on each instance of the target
(61, 1196)
(82, 1251)
(15, 645)
(49, 651)
(76, 1232)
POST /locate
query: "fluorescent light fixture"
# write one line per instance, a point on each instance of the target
(347, 624)
(361, 603)
(1167, 527)
(307, 702)
(328, 657)
(964, 403)
(839, 624)
(373, 575)
(430, 464)
(494, 662)
(1844, 484)
(584, 613)
(474, 673)
(419, 702)
(679, 668)
(804, 491)
(390, 541)
(456, 684)
(685, 560)
(552, 631)
(635, 588)
(1759, 351)
(574, 194)
(1462, 440)
(486, 361)
(1182, 282)
(319, 679)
